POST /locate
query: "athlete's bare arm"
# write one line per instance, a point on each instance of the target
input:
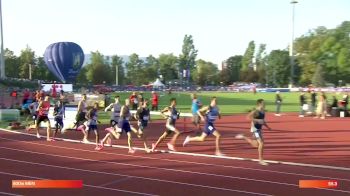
(202, 111)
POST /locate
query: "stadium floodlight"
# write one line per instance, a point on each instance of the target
(291, 47)
(2, 61)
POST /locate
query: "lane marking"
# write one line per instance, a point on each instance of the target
(115, 181)
(176, 170)
(12, 194)
(205, 155)
(171, 160)
(85, 185)
(130, 176)
(151, 167)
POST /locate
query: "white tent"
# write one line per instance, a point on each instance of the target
(157, 83)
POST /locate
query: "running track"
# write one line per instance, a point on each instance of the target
(301, 149)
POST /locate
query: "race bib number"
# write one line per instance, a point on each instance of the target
(210, 128)
(174, 116)
(146, 118)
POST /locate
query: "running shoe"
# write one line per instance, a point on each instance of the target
(239, 136)
(153, 147)
(187, 140)
(131, 151)
(171, 147)
(263, 163)
(38, 136)
(219, 154)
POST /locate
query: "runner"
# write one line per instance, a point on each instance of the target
(115, 116)
(143, 116)
(33, 107)
(82, 109)
(171, 114)
(124, 123)
(92, 120)
(257, 117)
(58, 113)
(211, 113)
(196, 105)
(43, 111)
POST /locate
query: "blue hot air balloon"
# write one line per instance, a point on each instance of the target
(64, 60)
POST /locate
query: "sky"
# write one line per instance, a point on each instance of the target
(220, 28)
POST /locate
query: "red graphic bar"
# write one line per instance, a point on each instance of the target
(47, 184)
(318, 184)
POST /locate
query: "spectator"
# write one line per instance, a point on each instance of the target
(303, 104)
(140, 98)
(313, 101)
(321, 110)
(278, 102)
(346, 101)
(133, 100)
(26, 95)
(14, 96)
(334, 102)
(154, 101)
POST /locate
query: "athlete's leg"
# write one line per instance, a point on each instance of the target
(160, 139)
(131, 150)
(217, 142)
(48, 130)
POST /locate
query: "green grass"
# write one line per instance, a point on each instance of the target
(231, 103)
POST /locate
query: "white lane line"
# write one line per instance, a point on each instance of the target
(11, 194)
(84, 185)
(206, 155)
(177, 161)
(151, 167)
(130, 176)
(175, 170)
(115, 181)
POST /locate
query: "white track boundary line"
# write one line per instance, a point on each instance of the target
(204, 155)
(11, 194)
(84, 185)
(138, 177)
(179, 161)
(155, 168)
(176, 170)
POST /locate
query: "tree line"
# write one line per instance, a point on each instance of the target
(322, 57)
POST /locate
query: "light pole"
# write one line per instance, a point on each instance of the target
(291, 47)
(30, 72)
(116, 75)
(2, 61)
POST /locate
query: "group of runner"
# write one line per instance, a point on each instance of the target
(87, 121)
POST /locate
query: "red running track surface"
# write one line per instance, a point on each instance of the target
(114, 172)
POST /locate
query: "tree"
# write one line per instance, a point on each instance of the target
(134, 69)
(187, 59)
(98, 71)
(152, 68)
(318, 78)
(27, 58)
(234, 65)
(261, 63)
(82, 76)
(278, 69)
(168, 66)
(329, 48)
(117, 62)
(206, 73)
(248, 56)
(41, 72)
(12, 64)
